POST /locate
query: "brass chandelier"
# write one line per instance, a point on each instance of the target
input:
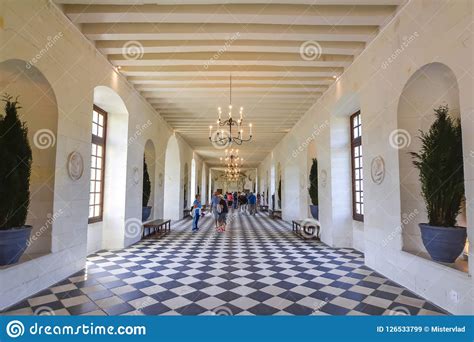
(221, 137)
(232, 158)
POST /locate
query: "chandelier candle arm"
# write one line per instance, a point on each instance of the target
(222, 140)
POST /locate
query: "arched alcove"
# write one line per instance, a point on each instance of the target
(172, 180)
(110, 232)
(203, 180)
(149, 157)
(193, 180)
(429, 87)
(279, 186)
(272, 194)
(39, 110)
(186, 186)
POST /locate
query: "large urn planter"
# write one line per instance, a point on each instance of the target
(146, 212)
(13, 243)
(314, 211)
(444, 244)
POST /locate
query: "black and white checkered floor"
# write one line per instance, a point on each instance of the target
(257, 267)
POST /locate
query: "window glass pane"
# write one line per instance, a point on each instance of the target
(97, 153)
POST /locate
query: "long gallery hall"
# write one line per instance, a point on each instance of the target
(237, 157)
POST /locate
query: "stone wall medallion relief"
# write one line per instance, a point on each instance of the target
(75, 165)
(377, 170)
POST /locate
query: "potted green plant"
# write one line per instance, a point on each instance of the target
(146, 210)
(279, 193)
(440, 163)
(15, 170)
(313, 189)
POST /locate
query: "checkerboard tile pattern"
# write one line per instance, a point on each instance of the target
(257, 267)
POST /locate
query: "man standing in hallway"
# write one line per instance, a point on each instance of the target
(196, 212)
(252, 203)
(214, 203)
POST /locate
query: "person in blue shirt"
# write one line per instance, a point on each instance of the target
(196, 212)
(252, 203)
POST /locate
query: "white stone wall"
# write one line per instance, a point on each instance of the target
(423, 32)
(74, 68)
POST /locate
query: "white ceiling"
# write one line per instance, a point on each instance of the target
(179, 55)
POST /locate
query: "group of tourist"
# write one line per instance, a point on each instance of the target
(243, 202)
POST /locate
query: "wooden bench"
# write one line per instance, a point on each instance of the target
(263, 207)
(186, 213)
(157, 226)
(306, 229)
(274, 213)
